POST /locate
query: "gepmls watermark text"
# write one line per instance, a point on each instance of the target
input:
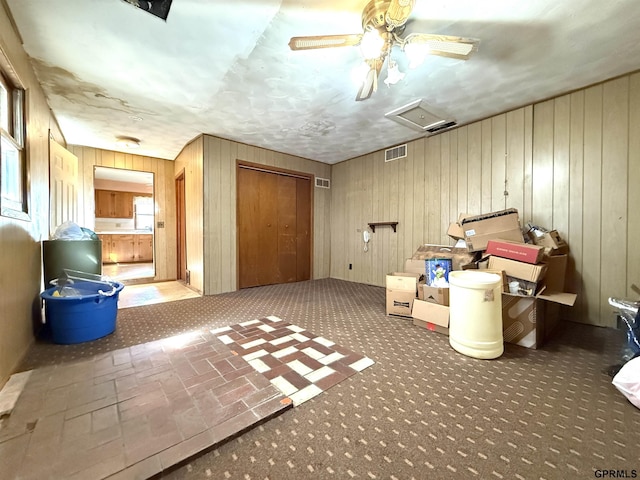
(615, 473)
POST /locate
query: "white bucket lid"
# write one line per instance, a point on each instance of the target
(474, 279)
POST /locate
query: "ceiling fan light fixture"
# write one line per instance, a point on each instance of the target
(371, 44)
(394, 75)
(416, 53)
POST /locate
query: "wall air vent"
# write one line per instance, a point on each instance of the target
(417, 115)
(441, 126)
(323, 182)
(395, 153)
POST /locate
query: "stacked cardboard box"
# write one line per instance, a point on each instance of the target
(538, 268)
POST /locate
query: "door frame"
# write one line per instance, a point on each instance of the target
(278, 171)
(181, 228)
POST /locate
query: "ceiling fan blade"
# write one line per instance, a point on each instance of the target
(370, 82)
(324, 41)
(398, 12)
(444, 45)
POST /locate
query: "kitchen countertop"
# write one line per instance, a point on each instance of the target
(125, 232)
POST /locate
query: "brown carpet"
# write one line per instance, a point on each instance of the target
(422, 411)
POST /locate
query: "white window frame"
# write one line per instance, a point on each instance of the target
(14, 179)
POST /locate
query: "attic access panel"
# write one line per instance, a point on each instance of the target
(159, 8)
(417, 115)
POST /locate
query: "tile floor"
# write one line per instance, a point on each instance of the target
(133, 412)
(139, 411)
(297, 362)
(127, 272)
(152, 293)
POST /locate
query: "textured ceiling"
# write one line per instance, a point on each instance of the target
(224, 68)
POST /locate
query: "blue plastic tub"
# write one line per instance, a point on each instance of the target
(85, 317)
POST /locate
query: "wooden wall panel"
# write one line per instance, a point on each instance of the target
(218, 203)
(615, 144)
(190, 161)
(592, 201)
(20, 240)
(542, 173)
(498, 162)
(571, 163)
(633, 189)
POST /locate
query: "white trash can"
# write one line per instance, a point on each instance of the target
(475, 313)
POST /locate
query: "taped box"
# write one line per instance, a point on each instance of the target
(402, 290)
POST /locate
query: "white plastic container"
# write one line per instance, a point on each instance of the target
(475, 313)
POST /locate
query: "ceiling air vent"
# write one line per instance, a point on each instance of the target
(418, 116)
(323, 182)
(441, 126)
(395, 153)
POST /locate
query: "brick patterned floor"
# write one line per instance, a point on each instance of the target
(134, 412)
(298, 362)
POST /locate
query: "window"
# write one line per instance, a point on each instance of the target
(13, 168)
(143, 208)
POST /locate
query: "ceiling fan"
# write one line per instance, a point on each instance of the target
(383, 23)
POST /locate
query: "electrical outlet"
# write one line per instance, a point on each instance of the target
(160, 224)
(351, 266)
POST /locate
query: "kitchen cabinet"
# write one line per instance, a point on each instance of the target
(126, 248)
(106, 247)
(114, 204)
(143, 250)
(122, 248)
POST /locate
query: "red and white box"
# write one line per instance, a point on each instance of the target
(522, 252)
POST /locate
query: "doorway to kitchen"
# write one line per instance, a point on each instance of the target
(124, 222)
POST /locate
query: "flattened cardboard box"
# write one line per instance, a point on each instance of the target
(514, 268)
(431, 316)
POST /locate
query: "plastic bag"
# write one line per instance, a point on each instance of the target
(70, 231)
(627, 381)
(629, 312)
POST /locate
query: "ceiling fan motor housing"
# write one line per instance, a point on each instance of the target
(373, 15)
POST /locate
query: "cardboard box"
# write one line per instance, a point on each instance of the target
(513, 268)
(460, 257)
(431, 316)
(435, 295)
(554, 279)
(551, 240)
(400, 302)
(403, 281)
(529, 321)
(455, 231)
(522, 252)
(501, 225)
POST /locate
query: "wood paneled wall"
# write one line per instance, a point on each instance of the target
(217, 191)
(571, 163)
(20, 240)
(190, 161)
(164, 239)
